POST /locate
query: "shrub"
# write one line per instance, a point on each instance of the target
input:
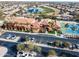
(52, 53)
(66, 44)
(20, 47)
(57, 43)
(38, 49)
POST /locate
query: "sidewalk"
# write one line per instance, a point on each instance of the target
(44, 45)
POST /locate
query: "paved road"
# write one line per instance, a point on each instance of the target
(47, 46)
(74, 52)
(43, 37)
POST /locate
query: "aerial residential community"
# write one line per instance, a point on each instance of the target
(39, 29)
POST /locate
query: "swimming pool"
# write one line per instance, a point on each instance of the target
(34, 10)
(71, 29)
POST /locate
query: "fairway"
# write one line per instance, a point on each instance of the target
(47, 10)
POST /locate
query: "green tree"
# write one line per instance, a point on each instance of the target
(1, 14)
(27, 38)
(38, 49)
(57, 43)
(38, 18)
(52, 53)
(66, 44)
(26, 49)
(20, 47)
(31, 46)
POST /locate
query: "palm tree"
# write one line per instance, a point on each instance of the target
(52, 53)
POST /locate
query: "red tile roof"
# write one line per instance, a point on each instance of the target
(44, 22)
(36, 24)
(22, 20)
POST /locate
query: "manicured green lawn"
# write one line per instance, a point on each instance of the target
(54, 32)
(63, 27)
(47, 10)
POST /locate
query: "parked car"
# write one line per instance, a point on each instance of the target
(76, 46)
(49, 43)
(26, 54)
(71, 47)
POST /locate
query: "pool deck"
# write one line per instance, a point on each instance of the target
(63, 29)
(70, 22)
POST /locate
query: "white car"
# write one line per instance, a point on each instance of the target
(26, 54)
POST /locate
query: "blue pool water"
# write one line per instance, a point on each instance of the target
(34, 10)
(72, 29)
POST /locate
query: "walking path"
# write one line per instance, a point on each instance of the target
(70, 22)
